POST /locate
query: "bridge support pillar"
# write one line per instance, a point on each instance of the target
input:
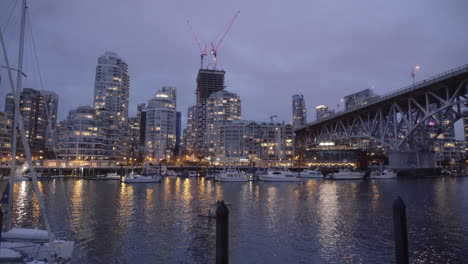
(412, 159)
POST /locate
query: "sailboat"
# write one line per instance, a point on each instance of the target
(28, 244)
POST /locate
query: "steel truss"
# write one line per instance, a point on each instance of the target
(407, 119)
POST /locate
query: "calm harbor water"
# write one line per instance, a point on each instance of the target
(314, 221)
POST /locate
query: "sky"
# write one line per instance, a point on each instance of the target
(323, 49)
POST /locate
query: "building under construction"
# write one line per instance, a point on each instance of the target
(208, 82)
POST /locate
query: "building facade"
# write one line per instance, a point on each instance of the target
(5, 139)
(322, 112)
(190, 135)
(39, 113)
(84, 136)
(299, 111)
(208, 82)
(112, 85)
(222, 108)
(161, 125)
(359, 98)
(256, 143)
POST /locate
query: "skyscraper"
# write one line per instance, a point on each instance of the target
(39, 113)
(190, 135)
(208, 82)
(299, 111)
(111, 89)
(222, 108)
(161, 125)
(178, 133)
(83, 136)
(322, 111)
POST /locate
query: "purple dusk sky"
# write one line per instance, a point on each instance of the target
(323, 49)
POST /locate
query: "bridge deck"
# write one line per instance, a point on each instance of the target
(405, 90)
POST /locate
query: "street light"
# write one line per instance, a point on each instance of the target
(413, 72)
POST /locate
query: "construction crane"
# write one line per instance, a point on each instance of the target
(202, 50)
(214, 49)
(271, 117)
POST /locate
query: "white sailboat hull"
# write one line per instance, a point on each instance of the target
(58, 251)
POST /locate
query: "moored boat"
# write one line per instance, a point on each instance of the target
(278, 176)
(310, 174)
(232, 175)
(346, 174)
(385, 174)
(140, 178)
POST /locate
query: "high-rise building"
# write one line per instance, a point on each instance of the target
(135, 153)
(262, 143)
(359, 98)
(178, 133)
(190, 135)
(39, 112)
(322, 111)
(299, 111)
(5, 139)
(208, 82)
(111, 89)
(161, 125)
(51, 103)
(86, 135)
(447, 150)
(141, 114)
(222, 108)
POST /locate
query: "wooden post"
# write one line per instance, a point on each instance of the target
(400, 231)
(222, 234)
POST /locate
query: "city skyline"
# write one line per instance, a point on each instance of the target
(252, 69)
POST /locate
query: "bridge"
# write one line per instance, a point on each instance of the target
(400, 120)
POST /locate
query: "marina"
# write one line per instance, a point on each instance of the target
(312, 221)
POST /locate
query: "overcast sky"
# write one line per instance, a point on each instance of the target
(323, 49)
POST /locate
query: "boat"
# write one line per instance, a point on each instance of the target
(33, 244)
(346, 174)
(57, 176)
(278, 175)
(107, 176)
(170, 173)
(140, 178)
(192, 174)
(385, 174)
(310, 174)
(232, 175)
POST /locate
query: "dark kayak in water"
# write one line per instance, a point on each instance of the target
(208, 216)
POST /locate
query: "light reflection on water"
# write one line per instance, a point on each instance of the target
(313, 221)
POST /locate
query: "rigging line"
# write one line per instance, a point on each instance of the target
(49, 119)
(28, 18)
(11, 8)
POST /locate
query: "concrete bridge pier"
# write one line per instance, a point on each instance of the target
(414, 163)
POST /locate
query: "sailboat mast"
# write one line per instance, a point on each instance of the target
(16, 94)
(24, 139)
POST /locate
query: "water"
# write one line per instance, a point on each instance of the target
(314, 221)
